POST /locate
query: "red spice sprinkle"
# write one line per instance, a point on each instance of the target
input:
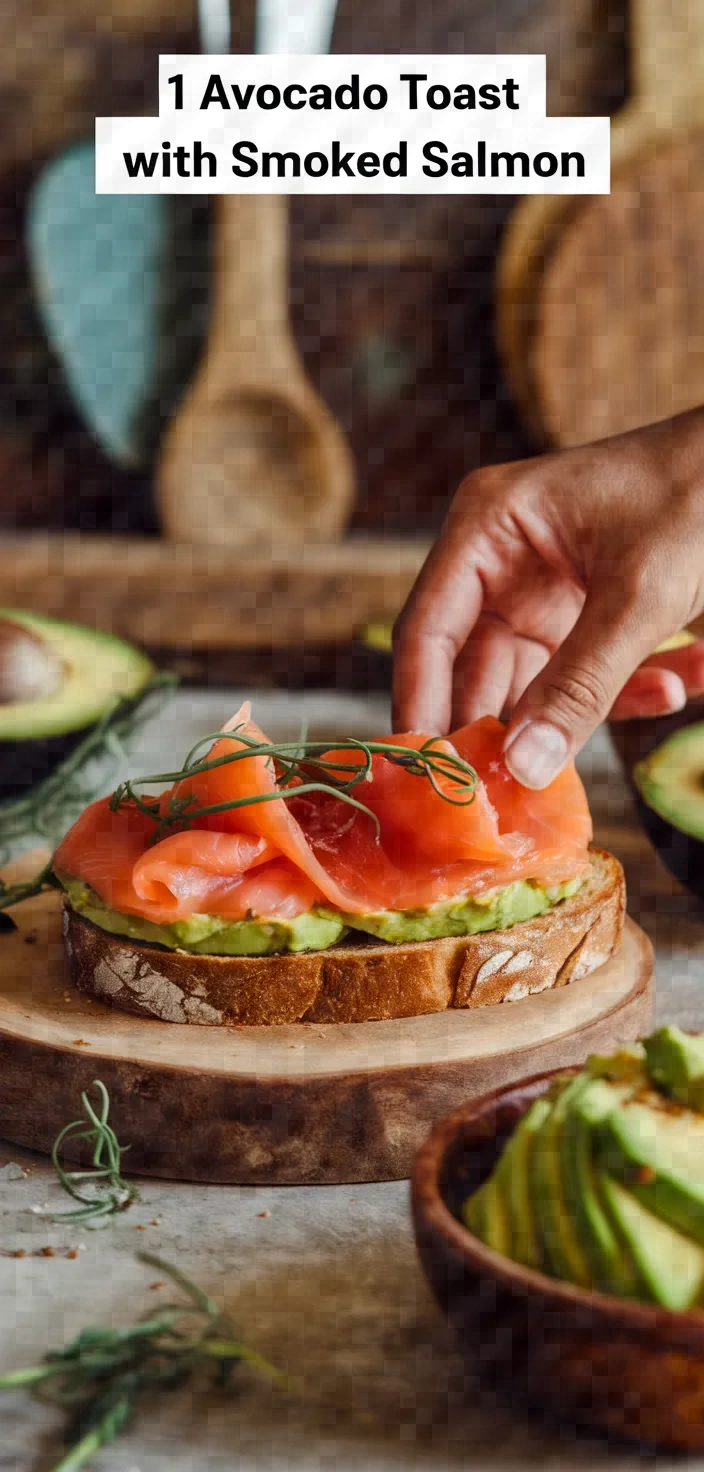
(646, 1175)
(47, 1252)
(72, 1253)
(139, 1228)
(263, 1213)
(160, 1284)
(19, 1252)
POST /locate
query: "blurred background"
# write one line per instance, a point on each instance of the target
(392, 300)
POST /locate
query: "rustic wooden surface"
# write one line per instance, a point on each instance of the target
(253, 457)
(600, 316)
(170, 595)
(391, 299)
(302, 1103)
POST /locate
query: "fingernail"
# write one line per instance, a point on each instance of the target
(536, 754)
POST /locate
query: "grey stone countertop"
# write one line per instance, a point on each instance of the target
(323, 1280)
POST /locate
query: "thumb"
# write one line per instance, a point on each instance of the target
(576, 689)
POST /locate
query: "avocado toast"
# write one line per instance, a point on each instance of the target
(350, 882)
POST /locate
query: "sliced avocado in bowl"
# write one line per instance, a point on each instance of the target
(611, 1266)
(57, 680)
(676, 1065)
(670, 1264)
(658, 1154)
(669, 785)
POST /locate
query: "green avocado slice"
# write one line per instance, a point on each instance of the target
(590, 1106)
(561, 1251)
(657, 1152)
(671, 780)
(676, 1064)
(671, 1265)
(486, 1214)
(513, 1175)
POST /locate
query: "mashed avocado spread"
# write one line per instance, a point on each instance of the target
(602, 1181)
(320, 927)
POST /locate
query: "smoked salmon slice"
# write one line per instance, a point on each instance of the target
(277, 858)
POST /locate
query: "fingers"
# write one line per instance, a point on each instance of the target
(579, 685)
(483, 672)
(435, 625)
(687, 663)
(649, 692)
(662, 684)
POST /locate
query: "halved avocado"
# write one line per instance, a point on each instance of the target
(670, 786)
(57, 680)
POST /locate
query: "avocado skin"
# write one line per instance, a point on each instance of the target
(682, 854)
(676, 1064)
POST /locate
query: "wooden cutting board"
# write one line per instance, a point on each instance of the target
(601, 305)
(171, 596)
(308, 1103)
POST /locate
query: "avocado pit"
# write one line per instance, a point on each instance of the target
(29, 668)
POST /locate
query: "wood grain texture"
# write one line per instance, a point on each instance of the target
(310, 1102)
(625, 283)
(169, 595)
(629, 1369)
(599, 310)
(359, 980)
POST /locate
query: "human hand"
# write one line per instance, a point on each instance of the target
(550, 585)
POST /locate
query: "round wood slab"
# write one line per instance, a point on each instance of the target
(275, 1105)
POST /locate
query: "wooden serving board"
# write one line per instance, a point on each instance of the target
(307, 1103)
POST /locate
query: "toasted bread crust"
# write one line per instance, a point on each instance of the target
(359, 982)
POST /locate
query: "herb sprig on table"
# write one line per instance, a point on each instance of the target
(299, 768)
(100, 1191)
(99, 1378)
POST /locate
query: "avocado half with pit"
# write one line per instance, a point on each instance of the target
(57, 680)
(670, 789)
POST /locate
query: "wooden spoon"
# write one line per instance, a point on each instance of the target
(600, 301)
(253, 457)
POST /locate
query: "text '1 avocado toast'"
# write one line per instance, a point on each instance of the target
(602, 1182)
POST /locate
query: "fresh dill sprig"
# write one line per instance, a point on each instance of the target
(47, 810)
(301, 767)
(101, 1375)
(101, 1191)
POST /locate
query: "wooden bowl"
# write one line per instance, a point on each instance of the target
(631, 1370)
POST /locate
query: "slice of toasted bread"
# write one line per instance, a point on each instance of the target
(360, 980)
